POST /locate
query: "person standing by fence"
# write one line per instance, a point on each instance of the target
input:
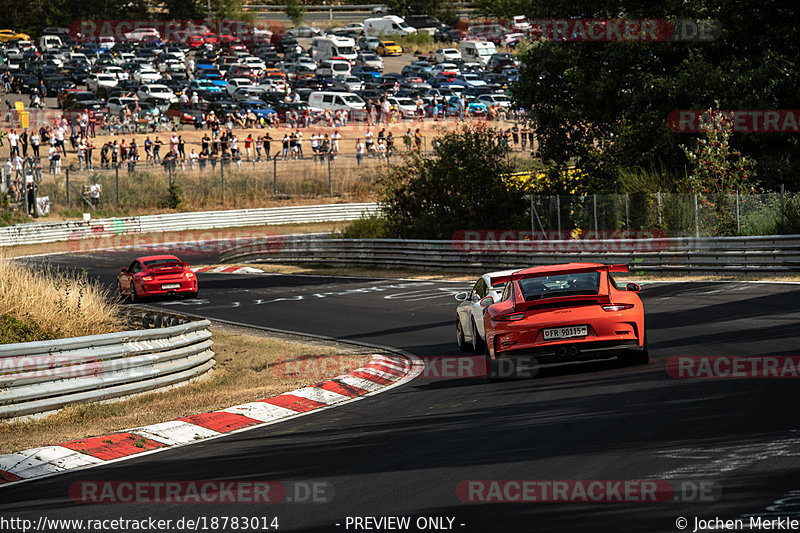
(266, 142)
(35, 142)
(157, 150)
(360, 149)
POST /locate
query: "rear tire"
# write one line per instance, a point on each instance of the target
(134, 296)
(192, 295)
(478, 344)
(460, 340)
(122, 296)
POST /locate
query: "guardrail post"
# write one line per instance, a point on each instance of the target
(594, 201)
(696, 219)
(66, 171)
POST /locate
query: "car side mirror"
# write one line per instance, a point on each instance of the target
(486, 302)
(123, 270)
(461, 296)
(633, 287)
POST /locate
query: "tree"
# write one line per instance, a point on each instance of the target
(463, 186)
(717, 168)
(605, 103)
(295, 11)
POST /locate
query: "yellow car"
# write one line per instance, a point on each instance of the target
(11, 35)
(389, 48)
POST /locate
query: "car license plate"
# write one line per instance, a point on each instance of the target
(169, 286)
(565, 332)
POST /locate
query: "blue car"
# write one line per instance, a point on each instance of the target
(202, 85)
(259, 108)
(364, 72)
(213, 76)
(475, 108)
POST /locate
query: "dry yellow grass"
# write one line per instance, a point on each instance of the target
(248, 368)
(56, 304)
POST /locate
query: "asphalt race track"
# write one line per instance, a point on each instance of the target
(404, 452)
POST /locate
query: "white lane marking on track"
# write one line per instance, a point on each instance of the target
(289, 299)
(426, 294)
(728, 458)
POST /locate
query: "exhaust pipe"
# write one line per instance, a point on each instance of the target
(573, 350)
(561, 351)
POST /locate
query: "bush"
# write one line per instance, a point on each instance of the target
(367, 227)
(464, 185)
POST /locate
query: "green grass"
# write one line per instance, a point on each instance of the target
(13, 330)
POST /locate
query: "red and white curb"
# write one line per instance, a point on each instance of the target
(228, 270)
(379, 375)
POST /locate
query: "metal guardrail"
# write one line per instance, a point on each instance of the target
(44, 232)
(764, 254)
(38, 377)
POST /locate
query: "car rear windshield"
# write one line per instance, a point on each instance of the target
(573, 284)
(155, 263)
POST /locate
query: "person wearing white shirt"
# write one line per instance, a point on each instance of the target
(13, 142)
(360, 150)
(299, 140)
(335, 141)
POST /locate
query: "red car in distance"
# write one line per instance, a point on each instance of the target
(156, 275)
(195, 41)
(561, 314)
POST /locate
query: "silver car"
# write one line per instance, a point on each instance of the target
(470, 332)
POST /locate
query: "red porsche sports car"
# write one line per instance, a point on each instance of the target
(567, 313)
(156, 275)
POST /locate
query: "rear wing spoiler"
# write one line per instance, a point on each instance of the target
(522, 275)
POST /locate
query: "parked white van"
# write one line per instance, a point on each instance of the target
(389, 25)
(334, 67)
(321, 100)
(477, 51)
(323, 48)
(50, 42)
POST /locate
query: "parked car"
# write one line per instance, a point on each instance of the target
(389, 48)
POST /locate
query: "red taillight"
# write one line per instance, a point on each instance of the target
(147, 278)
(511, 316)
(616, 307)
(189, 275)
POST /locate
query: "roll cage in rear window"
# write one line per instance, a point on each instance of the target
(570, 284)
